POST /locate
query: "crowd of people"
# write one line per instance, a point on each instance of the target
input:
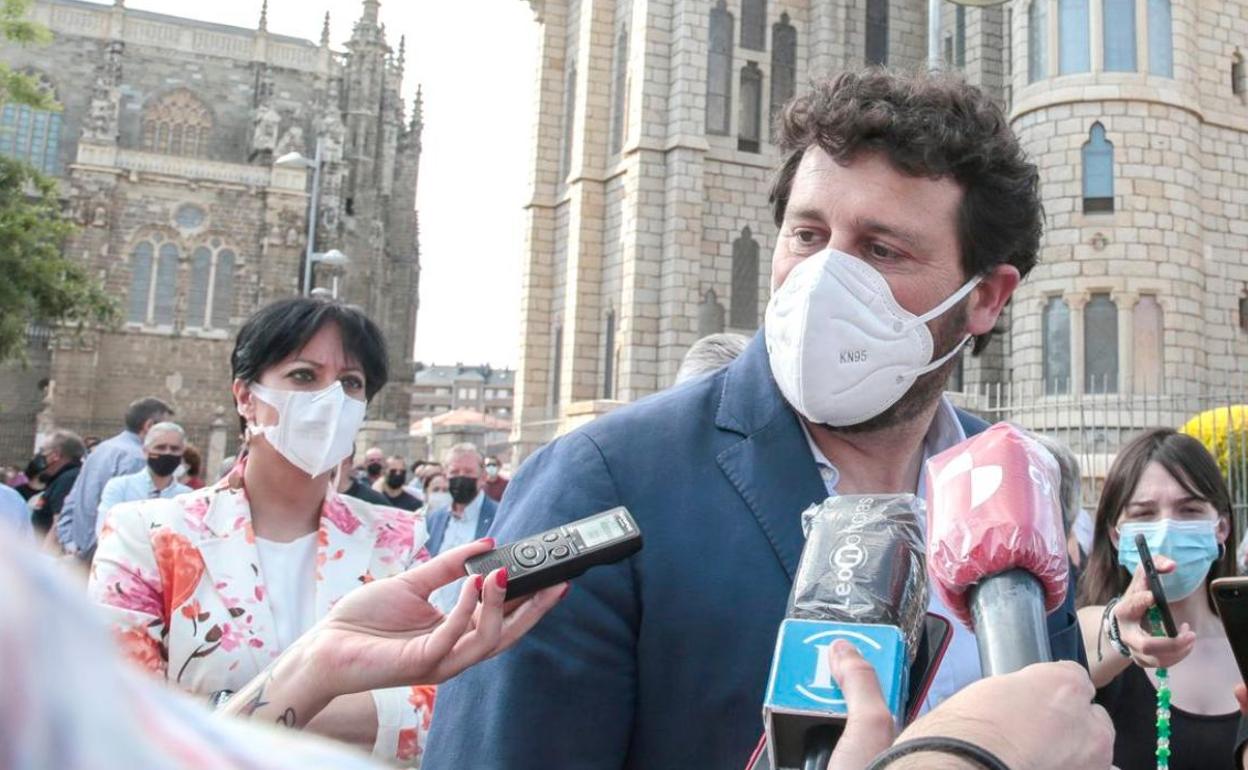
(324, 592)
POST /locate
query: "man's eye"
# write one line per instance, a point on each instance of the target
(806, 237)
(880, 251)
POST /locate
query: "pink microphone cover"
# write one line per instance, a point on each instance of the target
(993, 504)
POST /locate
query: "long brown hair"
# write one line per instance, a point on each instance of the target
(1191, 465)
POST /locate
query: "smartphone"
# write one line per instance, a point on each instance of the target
(1154, 585)
(1230, 594)
(937, 632)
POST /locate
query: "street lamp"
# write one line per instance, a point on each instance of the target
(332, 258)
(933, 26)
(297, 160)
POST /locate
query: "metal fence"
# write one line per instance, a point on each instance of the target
(1096, 425)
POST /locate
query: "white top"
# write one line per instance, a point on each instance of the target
(960, 666)
(289, 574)
(461, 528)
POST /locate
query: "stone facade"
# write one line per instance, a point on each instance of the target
(165, 150)
(640, 243)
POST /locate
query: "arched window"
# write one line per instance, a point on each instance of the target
(1119, 38)
(719, 71)
(619, 93)
(783, 64)
(608, 356)
(959, 43)
(153, 281)
(1074, 46)
(177, 124)
(1098, 172)
(1239, 80)
(749, 122)
(1037, 40)
(1147, 328)
(569, 121)
(743, 306)
(1055, 335)
(210, 302)
(877, 32)
(31, 135)
(1100, 345)
(754, 25)
(1160, 39)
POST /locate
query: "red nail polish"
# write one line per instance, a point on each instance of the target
(487, 540)
(500, 577)
(567, 587)
(480, 582)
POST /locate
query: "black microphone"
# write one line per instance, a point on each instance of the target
(862, 578)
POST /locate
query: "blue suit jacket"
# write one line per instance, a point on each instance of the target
(658, 661)
(437, 523)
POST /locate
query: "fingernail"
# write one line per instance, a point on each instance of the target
(500, 577)
(487, 540)
(566, 587)
(479, 582)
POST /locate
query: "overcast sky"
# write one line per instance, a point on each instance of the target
(475, 60)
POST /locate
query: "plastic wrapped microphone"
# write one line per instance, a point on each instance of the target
(862, 579)
(996, 544)
(863, 563)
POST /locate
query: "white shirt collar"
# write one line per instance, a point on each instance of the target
(945, 431)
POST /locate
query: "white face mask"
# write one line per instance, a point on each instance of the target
(841, 348)
(439, 500)
(315, 430)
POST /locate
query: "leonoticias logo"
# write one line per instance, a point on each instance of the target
(851, 554)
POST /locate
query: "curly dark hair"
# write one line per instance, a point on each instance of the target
(931, 125)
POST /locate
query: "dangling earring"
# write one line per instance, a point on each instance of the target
(1221, 551)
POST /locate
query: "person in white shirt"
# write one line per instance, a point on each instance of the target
(164, 445)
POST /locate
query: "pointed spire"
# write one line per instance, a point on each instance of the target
(264, 15)
(418, 112)
(325, 31)
(402, 58)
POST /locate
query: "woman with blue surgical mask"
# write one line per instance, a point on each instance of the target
(1169, 698)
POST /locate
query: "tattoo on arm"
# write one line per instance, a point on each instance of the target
(288, 718)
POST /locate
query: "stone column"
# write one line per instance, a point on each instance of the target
(214, 453)
(1076, 301)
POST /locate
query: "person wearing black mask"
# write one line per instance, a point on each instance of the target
(469, 516)
(163, 445)
(374, 465)
(62, 454)
(392, 485)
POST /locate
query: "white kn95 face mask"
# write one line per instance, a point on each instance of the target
(841, 348)
(315, 429)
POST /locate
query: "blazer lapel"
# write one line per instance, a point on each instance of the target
(771, 467)
(230, 556)
(344, 551)
(488, 509)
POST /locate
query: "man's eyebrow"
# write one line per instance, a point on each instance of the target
(908, 237)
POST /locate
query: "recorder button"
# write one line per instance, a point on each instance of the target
(529, 555)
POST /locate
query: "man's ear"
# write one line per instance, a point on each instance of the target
(989, 297)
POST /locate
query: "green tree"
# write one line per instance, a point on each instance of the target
(38, 285)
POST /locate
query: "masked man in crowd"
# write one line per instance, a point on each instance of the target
(392, 485)
(164, 444)
(467, 518)
(907, 214)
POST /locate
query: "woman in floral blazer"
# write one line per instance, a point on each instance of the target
(183, 580)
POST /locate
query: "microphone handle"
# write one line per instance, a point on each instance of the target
(1008, 612)
(820, 742)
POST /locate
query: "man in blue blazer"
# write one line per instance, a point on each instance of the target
(469, 516)
(907, 216)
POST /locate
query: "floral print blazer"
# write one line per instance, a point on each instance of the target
(181, 583)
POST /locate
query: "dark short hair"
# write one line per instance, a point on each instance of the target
(192, 459)
(68, 444)
(1191, 465)
(284, 327)
(927, 125)
(145, 409)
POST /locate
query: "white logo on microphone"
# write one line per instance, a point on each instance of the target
(984, 480)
